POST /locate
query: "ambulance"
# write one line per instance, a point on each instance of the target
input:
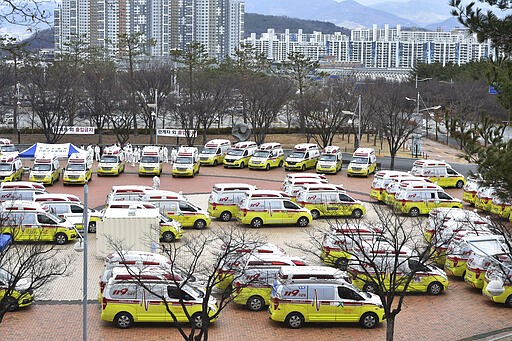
(224, 199)
(6, 147)
(111, 162)
(129, 301)
(59, 197)
(393, 187)
(438, 172)
(291, 177)
(151, 162)
(303, 156)
(253, 288)
(415, 198)
(325, 200)
(127, 192)
(438, 217)
(78, 170)
(19, 290)
(11, 168)
(258, 209)
(501, 207)
(498, 281)
(74, 213)
(176, 206)
(364, 162)
(20, 190)
(484, 196)
(46, 169)
(478, 262)
(470, 189)
(330, 161)
(240, 154)
(186, 163)
(297, 303)
(293, 187)
(29, 221)
(214, 152)
(269, 155)
(380, 181)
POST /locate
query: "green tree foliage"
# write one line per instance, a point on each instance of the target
(496, 168)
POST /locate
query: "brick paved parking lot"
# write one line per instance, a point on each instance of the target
(461, 312)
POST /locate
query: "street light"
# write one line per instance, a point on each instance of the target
(154, 114)
(353, 114)
(427, 109)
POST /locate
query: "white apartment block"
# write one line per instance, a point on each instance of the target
(170, 24)
(375, 48)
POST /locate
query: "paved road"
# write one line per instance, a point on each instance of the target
(461, 312)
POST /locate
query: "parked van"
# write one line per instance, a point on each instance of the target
(151, 162)
(224, 199)
(293, 187)
(127, 302)
(240, 154)
(323, 301)
(330, 161)
(19, 290)
(393, 187)
(484, 196)
(329, 200)
(11, 168)
(501, 207)
(290, 177)
(253, 288)
(79, 169)
(46, 169)
(214, 152)
(112, 161)
(127, 192)
(438, 172)
(364, 162)
(438, 217)
(380, 181)
(303, 156)
(258, 211)
(186, 163)
(498, 277)
(74, 212)
(415, 198)
(28, 221)
(268, 155)
(6, 146)
(177, 207)
(20, 190)
(478, 262)
(59, 197)
(470, 188)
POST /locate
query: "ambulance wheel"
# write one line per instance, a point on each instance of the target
(294, 320)
(357, 213)
(302, 222)
(215, 162)
(341, 263)
(508, 302)
(255, 303)
(168, 237)
(257, 222)
(370, 287)
(225, 216)
(435, 288)
(280, 164)
(11, 303)
(303, 168)
(267, 167)
(123, 320)
(173, 175)
(315, 214)
(197, 320)
(459, 184)
(200, 224)
(242, 165)
(414, 212)
(369, 320)
(92, 227)
(61, 238)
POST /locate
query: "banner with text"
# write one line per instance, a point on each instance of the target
(70, 130)
(176, 132)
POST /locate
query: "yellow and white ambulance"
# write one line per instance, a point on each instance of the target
(501, 207)
(438, 172)
(364, 162)
(151, 162)
(21, 293)
(380, 181)
(498, 281)
(269, 155)
(303, 156)
(112, 161)
(20, 190)
(46, 169)
(176, 206)
(224, 199)
(214, 152)
(79, 169)
(293, 187)
(6, 147)
(325, 200)
(330, 161)
(484, 196)
(11, 167)
(440, 216)
(478, 263)
(470, 189)
(187, 162)
(240, 154)
(258, 209)
(393, 186)
(127, 192)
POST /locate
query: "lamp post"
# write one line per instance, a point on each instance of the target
(154, 114)
(353, 114)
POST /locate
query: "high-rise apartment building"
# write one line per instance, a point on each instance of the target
(169, 24)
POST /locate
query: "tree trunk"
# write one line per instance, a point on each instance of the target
(392, 162)
(390, 328)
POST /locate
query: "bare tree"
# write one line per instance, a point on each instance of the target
(200, 257)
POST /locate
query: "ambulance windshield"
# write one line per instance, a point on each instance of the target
(207, 150)
(5, 167)
(360, 160)
(149, 159)
(42, 167)
(108, 159)
(297, 155)
(76, 167)
(187, 160)
(236, 152)
(327, 157)
(261, 153)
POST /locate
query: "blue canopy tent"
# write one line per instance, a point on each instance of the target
(62, 150)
